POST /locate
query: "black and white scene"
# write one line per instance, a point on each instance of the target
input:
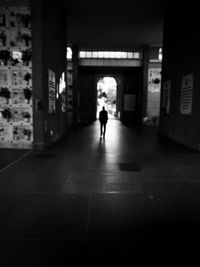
(99, 133)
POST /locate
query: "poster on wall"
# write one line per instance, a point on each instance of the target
(3, 77)
(154, 80)
(3, 18)
(5, 114)
(18, 97)
(21, 115)
(22, 96)
(52, 92)
(166, 96)
(3, 38)
(4, 133)
(21, 78)
(20, 38)
(20, 17)
(186, 94)
(21, 59)
(129, 102)
(22, 133)
(5, 95)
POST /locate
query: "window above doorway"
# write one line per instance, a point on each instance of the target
(109, 54)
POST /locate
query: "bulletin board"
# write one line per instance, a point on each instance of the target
(52, 92)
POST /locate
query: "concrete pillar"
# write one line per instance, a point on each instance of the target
(143, 94)
(38, 74)
(49, 56)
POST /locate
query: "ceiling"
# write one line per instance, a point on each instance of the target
(110, 24)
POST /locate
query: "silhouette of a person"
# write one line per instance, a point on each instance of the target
(103, 118)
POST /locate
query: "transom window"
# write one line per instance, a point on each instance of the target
(109, 54)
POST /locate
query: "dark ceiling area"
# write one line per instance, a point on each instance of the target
(110, 24)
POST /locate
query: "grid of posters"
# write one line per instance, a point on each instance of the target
(16, 123)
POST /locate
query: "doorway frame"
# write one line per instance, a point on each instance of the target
(119, 80)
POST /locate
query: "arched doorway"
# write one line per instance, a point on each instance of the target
(107, 96)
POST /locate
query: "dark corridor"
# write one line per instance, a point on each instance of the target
(128, 200)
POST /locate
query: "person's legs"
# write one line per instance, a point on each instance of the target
(101, 129)
(104, 129)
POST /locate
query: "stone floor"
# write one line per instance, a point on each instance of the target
(130, 199)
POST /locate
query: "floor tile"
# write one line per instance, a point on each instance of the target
(73, 201)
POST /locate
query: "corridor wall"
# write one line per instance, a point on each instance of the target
(32, 73)
(49, 71)
(180, 94)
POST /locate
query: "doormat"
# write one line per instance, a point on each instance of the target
(129, 167)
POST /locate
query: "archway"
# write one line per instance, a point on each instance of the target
(107, 96)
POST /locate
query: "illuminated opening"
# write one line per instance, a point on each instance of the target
(69, 53)
(107, 96)
(160, 54)
(62, 84)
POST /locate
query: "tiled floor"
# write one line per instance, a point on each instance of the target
(74, 204)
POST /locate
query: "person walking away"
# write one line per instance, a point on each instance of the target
(103, 118)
